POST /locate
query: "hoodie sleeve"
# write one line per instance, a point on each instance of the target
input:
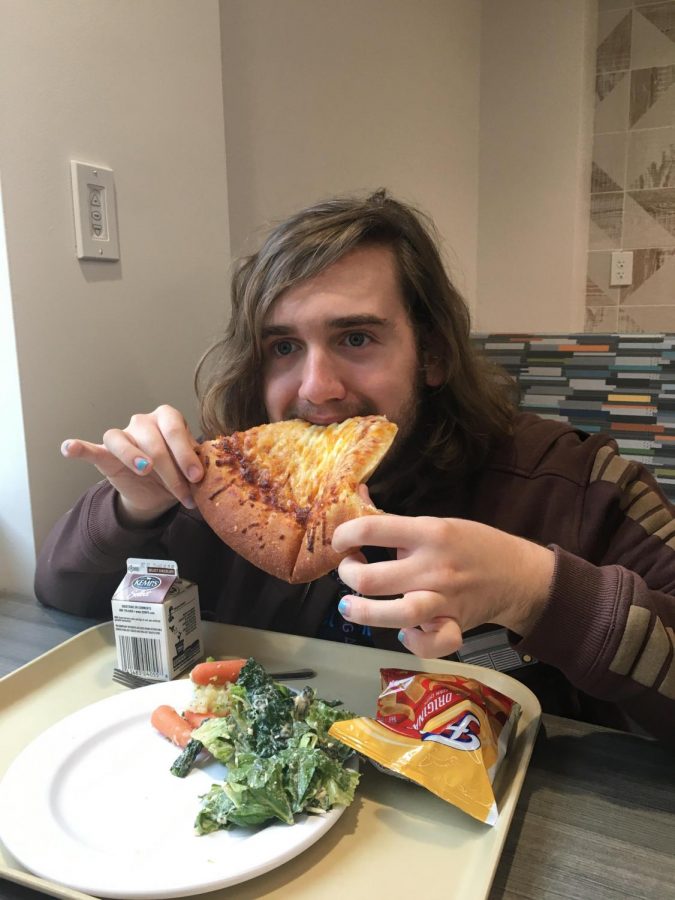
(609, 624)
(84, 557)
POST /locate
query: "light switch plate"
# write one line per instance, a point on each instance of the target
(95, 211)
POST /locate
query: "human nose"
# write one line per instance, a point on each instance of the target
(321, 381)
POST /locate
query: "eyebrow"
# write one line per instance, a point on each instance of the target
(355, 321)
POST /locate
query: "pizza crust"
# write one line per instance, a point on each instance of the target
(260, 534)
(315, 552)
(276, 493)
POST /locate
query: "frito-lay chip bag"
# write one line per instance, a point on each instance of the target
(444, 732)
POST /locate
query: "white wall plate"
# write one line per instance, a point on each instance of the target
(95, 211)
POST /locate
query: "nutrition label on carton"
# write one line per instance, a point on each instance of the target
(156, 620)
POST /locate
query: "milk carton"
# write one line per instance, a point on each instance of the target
(156, 620)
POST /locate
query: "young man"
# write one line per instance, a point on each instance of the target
(494, 517)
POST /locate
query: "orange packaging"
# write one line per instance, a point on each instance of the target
(444, 732)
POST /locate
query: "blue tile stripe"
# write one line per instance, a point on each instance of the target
(620, 383)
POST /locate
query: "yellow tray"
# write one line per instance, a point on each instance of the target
(395, 839)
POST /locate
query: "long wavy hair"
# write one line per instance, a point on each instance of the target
(462, 417)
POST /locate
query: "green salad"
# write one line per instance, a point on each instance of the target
(280, 759)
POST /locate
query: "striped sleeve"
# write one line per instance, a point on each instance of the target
(646, 647)
(610, 621)
(640, 501)
(646, 652)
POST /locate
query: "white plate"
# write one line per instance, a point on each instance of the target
(91, 804)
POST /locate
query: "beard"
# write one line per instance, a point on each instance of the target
(407, 419)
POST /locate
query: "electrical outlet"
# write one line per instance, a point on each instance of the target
(621, 272)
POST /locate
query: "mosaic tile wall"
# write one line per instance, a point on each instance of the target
(620, 383)
(633, 177)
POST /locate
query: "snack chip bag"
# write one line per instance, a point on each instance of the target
(444, 732)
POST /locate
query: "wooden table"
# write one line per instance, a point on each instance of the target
(595, 818)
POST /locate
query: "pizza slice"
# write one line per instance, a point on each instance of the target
(277, 492)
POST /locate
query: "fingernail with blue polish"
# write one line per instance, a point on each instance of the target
(401, 636)
(64, 447)
(141, 464)
(344, 606)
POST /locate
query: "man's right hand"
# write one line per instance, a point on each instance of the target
(151, 463)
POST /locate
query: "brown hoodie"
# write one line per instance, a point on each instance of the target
(609, 622)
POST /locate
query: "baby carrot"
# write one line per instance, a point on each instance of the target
(195, 719)
(174, 727)
(218, 672)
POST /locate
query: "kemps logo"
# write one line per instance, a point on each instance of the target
(146, 582)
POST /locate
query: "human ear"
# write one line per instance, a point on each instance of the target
(432, 366)
(433, 372)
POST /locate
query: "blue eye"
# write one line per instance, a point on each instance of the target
(283, 348)
(357, 339)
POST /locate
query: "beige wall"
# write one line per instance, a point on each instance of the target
(17, 544)
(135, 86)
(471, 110)
(323, 98)
(478, 112)
(537, 73)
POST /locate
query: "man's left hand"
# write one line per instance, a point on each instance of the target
(450, 575)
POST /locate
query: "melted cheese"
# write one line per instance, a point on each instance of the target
(291, 462)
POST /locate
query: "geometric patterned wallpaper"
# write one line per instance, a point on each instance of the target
(633, 172)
